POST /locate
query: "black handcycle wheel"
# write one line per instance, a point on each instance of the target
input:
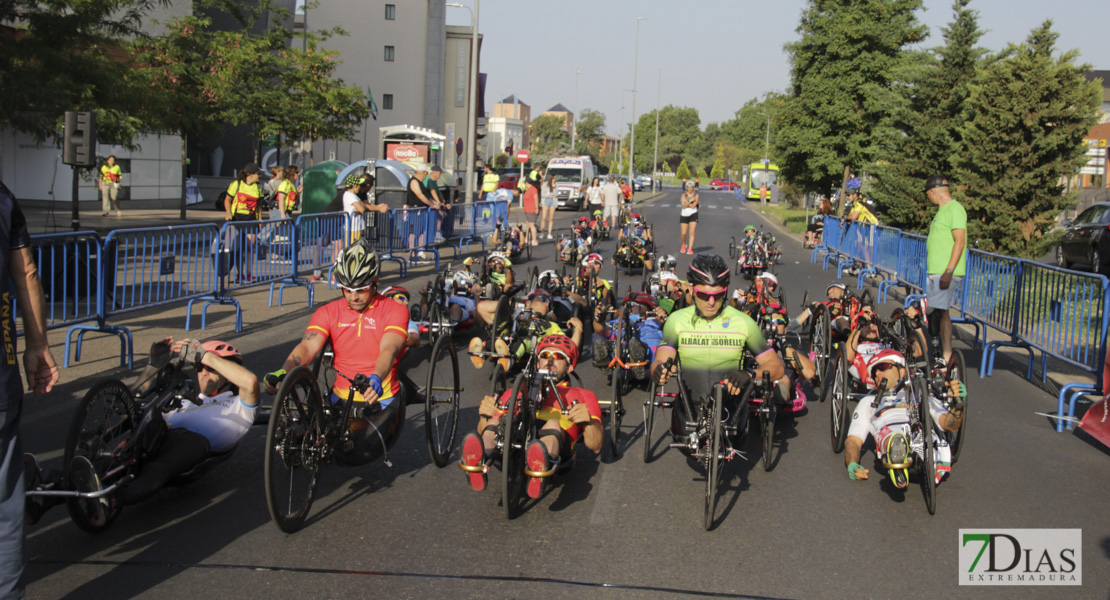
(956, 371)
(928, 468)
(713, 464)
(441, 400)
(517, 424)
(838, 407)
(732, 247)
(767, 414)
(821, 345)
(105, 419)
(294, 449)
(501, 316)
(527, 249)
(616, 411)
(649, 417)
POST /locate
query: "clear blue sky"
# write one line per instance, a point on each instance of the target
(717, 54)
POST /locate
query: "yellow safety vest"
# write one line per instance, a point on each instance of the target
(865, 216)
(490, 181)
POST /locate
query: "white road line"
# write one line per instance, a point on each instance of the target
(728, 208)
(712, 206)
(664, 206)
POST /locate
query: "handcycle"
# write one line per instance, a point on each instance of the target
(620, 366)
(115, 430)
(953, 369)
(925, 436)
(705, 438)
(518, 428)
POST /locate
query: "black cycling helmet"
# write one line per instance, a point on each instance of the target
(708, 269)
(357, 266)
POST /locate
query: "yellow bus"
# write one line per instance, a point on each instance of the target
(760, 174)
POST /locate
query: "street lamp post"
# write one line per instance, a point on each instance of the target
(655, 158)
(574, 119)
(632, 139)
(472, 109)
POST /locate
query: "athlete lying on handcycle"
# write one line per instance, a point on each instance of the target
(461, 291)
(513, 339)
(886, 421)
(558, 432)
(633, 252)
(647, 332)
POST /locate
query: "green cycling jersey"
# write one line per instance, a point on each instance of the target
(710, 349)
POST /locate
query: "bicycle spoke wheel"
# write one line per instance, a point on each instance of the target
(294, 449)
(649, 416)
(441, 400)
(105, 420)
(928, 468)
(956, 371)
(767, 414)
(713, 464)
(616, 410)
(516, 423)
(732, 247)
(838, 407)
(824, 346)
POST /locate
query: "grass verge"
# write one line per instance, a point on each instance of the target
(792, 219)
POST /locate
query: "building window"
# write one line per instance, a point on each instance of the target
(387, 101)
(389, 54)
(390, 12)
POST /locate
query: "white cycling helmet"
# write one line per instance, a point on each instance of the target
(463, 278)
(770, 277)
(837, 284)
(667, 276)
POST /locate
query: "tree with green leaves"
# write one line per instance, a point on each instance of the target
(718, 170)
(591, 131)
(683, 171)
(927, 108)
(835, 121)
(68, 55)
(549, 137)
(1021, 135)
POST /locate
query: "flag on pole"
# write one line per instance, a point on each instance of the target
(373, 106)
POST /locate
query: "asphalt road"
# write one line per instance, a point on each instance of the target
(610, 528)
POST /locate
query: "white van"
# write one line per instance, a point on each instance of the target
(573, 175)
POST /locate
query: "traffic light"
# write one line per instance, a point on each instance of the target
(79, 146)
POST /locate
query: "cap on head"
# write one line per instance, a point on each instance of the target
(936, 181)
(420, 168)
(251, 169)
(354, 179)
(436, 169)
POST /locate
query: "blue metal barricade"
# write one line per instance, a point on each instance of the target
(486, 215)
(412, 230)
(69, 266)
(989, 292)
(464, 227)
(318, 237)
(157, 266)
(913, 262)
(831, 239)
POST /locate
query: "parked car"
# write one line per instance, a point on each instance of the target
(642, 181)
(509, 181)
(723, 184)
(1087, 239)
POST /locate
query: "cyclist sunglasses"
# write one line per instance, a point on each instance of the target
(708, 295)
(364, 288)
(549, 354)
(883, 367)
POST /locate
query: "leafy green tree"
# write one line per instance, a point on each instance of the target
(748, 129)
(683, 171)
(835, 121)
(549, 137)
(679, 132)
(501, 160)
(591, 130)
(927, 108)
(718, 170)
(1021, 135)
(69, 55)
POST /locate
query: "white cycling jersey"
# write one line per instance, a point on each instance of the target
(891, 416)
(224, 419)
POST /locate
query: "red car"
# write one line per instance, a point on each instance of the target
(509, 181)
(722, 184)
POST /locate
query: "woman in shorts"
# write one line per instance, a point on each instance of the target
(530, 204)
(548, 203)
(688, 220)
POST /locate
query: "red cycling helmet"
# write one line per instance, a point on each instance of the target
(562, 343)
(593, 258)
(223, 350)
(634, 216)
(395, 290)
(893, 357)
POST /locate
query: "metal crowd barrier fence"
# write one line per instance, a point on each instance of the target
(69, 266)
(412, 230)
(989, 292)
(149, 267)
(486, 215)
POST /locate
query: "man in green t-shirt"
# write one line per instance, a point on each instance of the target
(946, 256)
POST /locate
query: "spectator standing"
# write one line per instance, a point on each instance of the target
(548, 202)
(490, 181)
(287, 192)
(108, 184)
(593, 195)
(945, 252)
(611, 199)
(418, 196)
(431, 181)
(18, 274)
(242, 202)
(271, 189)
(531, 205)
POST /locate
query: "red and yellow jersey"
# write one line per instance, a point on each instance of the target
(549, 409)
(357, 338)
(244, 197)
(110, 174)
(286, 187)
